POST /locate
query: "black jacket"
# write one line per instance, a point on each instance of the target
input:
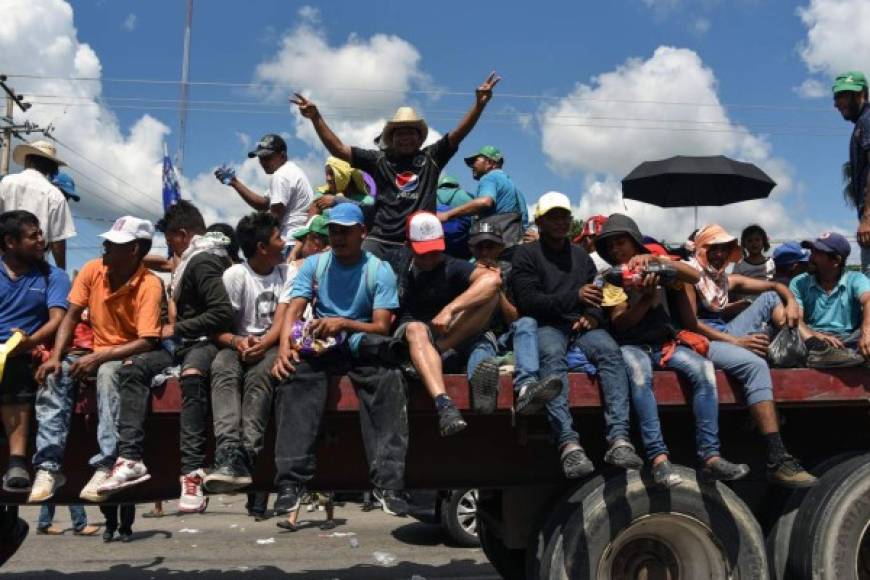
(546, 283)
(203, 307)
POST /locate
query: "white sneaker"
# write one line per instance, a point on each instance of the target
(125, 473)
(44, 485)
(89, 491)
(192, 498)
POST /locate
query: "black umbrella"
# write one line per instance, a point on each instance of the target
(692, 181)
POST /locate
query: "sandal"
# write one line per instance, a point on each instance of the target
(153, 514)
(51, 530)
(88, 530)
(287, 525)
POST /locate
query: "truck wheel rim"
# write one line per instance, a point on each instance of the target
(466, 511)
(664, 546)
(863, 563)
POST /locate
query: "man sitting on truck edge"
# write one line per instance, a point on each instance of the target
(446, 305)
(835, 323)
(553, 283)
(123, 301)
(354, 294)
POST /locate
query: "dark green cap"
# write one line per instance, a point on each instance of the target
(448, 180)
(489, 151)
(853, 81)
(317, 225)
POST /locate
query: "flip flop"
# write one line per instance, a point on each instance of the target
(49, 531)
(88, 530)
(153, 514)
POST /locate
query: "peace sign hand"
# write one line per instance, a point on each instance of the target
(484, 91)
(306, 108)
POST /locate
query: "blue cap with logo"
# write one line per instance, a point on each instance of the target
(790, 253)
(64, 182)
(346, 214)
(830, 243)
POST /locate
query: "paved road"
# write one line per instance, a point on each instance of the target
(225, 544)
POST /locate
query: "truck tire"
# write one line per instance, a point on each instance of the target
(779, 538)
(459, 517)
(621, 526)
(831, 538)
(509, 563)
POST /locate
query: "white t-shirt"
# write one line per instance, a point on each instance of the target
(762, 271)
(255, 297)
(290, 187)
(32, 191)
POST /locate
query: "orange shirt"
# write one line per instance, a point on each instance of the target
(131, 312)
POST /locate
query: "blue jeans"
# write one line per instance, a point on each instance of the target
(523, 338)
(705, 400)
(108, 407)
(745, 366)
(603, 351)
(756, 317)
(76, 514)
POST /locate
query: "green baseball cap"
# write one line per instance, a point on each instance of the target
(489, 151)
(448, 180)
(853, 81)
(317, 225)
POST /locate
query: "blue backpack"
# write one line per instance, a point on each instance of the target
(455, 233)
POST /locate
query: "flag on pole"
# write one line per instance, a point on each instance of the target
(171, 191)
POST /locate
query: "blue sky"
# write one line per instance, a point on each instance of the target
(573, 112)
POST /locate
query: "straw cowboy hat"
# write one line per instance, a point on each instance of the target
(404, 117)
(44, 149)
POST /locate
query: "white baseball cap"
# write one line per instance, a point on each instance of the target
(127, 229)
(425, 233)
(552, 200)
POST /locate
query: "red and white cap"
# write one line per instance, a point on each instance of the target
(127, 229)
(425, 233)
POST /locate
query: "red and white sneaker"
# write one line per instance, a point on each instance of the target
(126, 473)
(192, 500)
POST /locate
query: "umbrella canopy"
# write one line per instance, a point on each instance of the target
(692, 181)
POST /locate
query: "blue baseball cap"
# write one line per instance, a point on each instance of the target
(64, 182)
(346, 214)
(790, 253)
(830, 243)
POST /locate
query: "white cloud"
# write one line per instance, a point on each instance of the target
(129, 23)
(813, 89)
(38, 37)
(700, 26)
(652, 109)
(838, 35)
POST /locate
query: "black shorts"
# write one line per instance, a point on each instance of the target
(18, 384)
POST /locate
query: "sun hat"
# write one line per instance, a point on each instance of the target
(45, 149)
(404, 117)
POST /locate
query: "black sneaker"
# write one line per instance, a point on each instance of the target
(450, 420)
(16, 480)
(392, 501)
(533, 397)
(789, 473)
(575, 464)
(484, 387)
(12, 537)
(227, 477)
(829, 357)
(724, 470)
(665, 475)
(622, 454)
(288, 499)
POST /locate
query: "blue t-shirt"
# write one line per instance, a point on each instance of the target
(506, 196)
(838, 313)
(343, 291)
(859, 146)
(24, 303)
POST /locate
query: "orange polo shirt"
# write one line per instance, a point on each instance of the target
(131, 312)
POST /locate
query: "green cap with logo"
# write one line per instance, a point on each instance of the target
(489, 151)
(853, 81)
(448, 181)
(316, 225)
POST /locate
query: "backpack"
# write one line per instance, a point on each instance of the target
(455, 233)
(372, 265)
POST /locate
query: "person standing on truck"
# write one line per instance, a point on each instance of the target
(509, 331)
(405, 172)
(289, 192)
(850, 99)
(241, 379)
(498, 201)
(739, 346)
(353, 294)
(446, 306)
(201, 310)
(122, 300)
(835, 303)
(553, 283)
(640, 322)
(33, 299)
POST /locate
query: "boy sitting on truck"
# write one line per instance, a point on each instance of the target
(640, 323)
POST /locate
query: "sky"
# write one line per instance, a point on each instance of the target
(588, 91)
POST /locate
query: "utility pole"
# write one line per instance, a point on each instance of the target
(10, 129)
(185, 73)
(7, 138)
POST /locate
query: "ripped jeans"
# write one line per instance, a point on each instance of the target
(705, 398)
